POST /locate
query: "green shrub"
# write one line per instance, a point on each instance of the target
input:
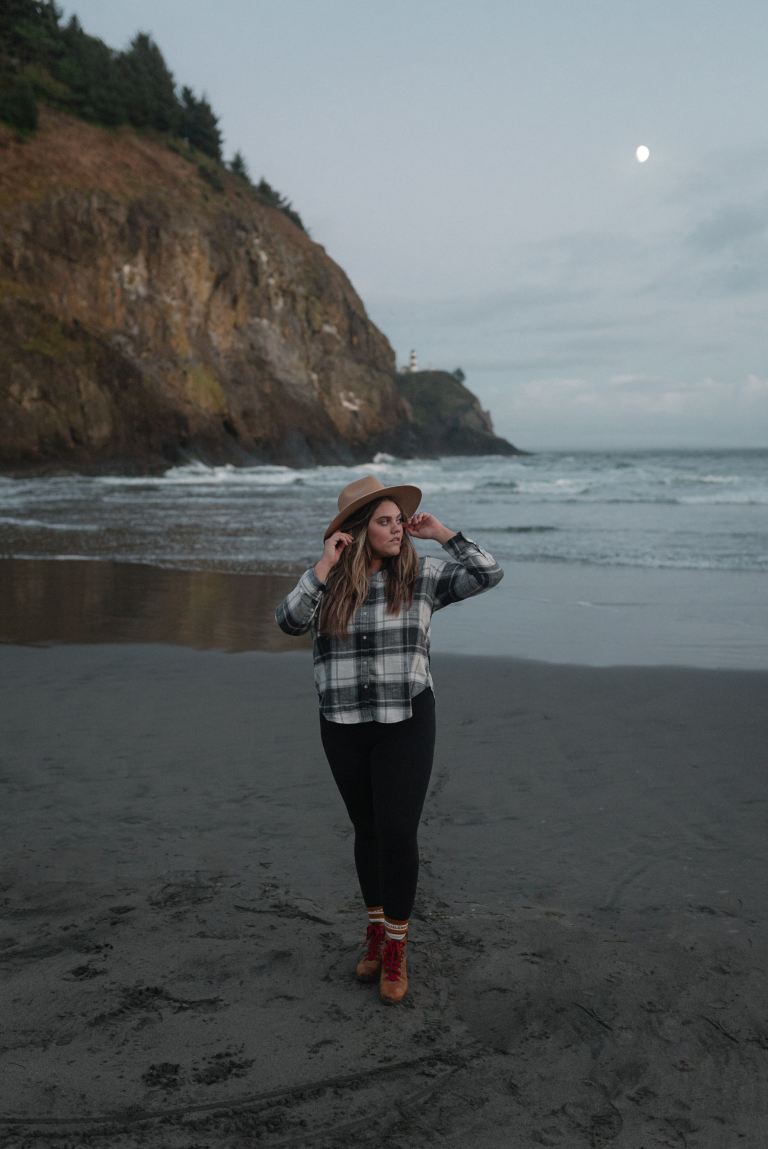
(211, 177)
(18, 106)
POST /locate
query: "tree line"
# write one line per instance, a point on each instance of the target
(42, 58)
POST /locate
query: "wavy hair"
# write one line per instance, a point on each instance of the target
(347, 582)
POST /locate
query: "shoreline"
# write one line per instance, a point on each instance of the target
(180, 915)
(551, 612)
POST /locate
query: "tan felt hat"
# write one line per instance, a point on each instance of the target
(368, 489)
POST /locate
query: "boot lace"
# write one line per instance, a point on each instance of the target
(374, 934)
(392, 959)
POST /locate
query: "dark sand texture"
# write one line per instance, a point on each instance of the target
(180, 915)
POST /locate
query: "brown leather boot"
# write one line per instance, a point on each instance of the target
(369, 965)
(393, 983)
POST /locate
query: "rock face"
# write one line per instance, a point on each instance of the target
(446, 418)
(149, 316)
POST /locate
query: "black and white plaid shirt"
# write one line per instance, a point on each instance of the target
(371, 673)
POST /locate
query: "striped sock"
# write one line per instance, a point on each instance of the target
(375, 915)
(396, 930)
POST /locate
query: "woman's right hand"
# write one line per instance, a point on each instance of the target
(333, 548)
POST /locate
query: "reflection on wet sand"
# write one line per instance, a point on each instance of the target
(90, 602)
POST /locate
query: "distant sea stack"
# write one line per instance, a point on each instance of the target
(445, 418)
(152, 311)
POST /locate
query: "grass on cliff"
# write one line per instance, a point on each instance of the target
(205, 391)
(29, 329)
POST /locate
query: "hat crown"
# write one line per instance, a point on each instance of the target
(369, 489)
(359, 489)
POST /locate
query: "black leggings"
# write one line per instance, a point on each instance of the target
(382, 770)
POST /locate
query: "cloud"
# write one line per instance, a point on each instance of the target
(731, 228)
(624, 396)
(722, 250)
(721, 172)
(755, 388)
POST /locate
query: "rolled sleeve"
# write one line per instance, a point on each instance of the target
(295, 613)
(475, 571)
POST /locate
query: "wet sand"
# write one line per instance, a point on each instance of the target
(180, 915)
(550, 612)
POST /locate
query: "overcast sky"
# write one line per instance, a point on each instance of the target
(471, 165)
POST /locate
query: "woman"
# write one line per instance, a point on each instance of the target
(369, 602)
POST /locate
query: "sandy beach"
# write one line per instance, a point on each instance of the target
(414, 296)
(180, 915)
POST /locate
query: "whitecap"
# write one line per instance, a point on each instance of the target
(41, 524)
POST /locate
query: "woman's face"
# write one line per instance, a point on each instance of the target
(386, 527)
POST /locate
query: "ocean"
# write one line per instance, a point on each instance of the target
(668, 548)
(695, 510)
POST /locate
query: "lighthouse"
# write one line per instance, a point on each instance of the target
(412, 363)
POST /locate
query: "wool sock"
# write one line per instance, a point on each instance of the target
(375, 915)
(396, 929)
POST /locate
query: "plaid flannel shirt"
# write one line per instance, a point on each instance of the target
(371, 673)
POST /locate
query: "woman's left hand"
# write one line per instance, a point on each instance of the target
(426, 526)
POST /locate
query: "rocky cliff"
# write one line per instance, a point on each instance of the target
(152, 310)
(446, 418)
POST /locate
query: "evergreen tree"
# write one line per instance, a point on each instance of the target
(90, 70)
(199, 125)
(28, 36)
(13, 13)
(238, 167)
(29, 32)
(150, 91)
(269, 195)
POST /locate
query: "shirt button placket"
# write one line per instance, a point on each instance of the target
(364, 664)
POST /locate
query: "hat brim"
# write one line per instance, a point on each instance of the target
(407, 497)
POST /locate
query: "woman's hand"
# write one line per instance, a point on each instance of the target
(425, 526)
(333, 548)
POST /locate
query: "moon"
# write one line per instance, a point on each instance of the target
(642, 153)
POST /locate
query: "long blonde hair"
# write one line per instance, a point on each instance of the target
(347, 583)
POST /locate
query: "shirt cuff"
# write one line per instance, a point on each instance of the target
(457, 543)
(311, 583)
